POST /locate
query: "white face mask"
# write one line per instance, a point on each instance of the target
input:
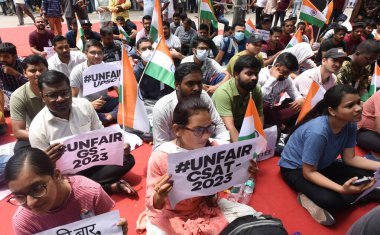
(146, 55)
(201, 54)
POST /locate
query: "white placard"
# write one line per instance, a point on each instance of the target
(96, 225)
(101, 76)
(7, 149)
(375, 186)
(49, 51)
(100, 147)
(210, 170)
(264, 33)
(271, 137)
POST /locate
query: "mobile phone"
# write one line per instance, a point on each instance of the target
(362, 181)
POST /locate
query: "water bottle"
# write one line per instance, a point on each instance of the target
(235, 193)
(247, 192)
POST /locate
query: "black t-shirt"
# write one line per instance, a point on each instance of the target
(327, 45)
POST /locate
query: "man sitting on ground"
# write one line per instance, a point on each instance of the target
(324, 74)
(105, 106)
(213, 73)
(231, 98)
(188, 82)
(26, 101)
(112, 48)
(64, 60)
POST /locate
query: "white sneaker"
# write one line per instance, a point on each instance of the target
(320, 215)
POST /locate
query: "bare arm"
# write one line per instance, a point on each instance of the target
(74, 91)
(19, 130)
(350, 159)
(229, 123)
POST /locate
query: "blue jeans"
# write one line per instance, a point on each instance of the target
(3, 161)
(111, 106)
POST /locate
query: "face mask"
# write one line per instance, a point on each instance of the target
(201, 54)
(146, 55)
(239, 36)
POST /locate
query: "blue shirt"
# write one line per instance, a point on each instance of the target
(229, 47)
(315, 144)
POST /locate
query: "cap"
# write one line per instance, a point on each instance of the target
(266, 19)
(85, 22)
(335, 53)
(256, 38)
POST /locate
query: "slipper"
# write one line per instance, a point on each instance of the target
(124, 187)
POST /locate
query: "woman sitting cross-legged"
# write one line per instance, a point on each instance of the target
(198, 215)
(309, 161)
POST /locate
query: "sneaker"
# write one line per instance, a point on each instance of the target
(320, 215)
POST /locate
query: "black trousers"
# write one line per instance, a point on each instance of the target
(369, 140)
(323, 197)
(106, 175)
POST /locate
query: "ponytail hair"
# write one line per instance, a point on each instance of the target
(332, 99)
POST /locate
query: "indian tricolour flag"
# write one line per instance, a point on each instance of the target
(80, 35)
(311, 14)
(161, 65)
(327, 12)
(250, 28)
(132, 112)
(156, 31)
(375, 81)
(207, 12)
(297, 38)
(122, 34)
(251, 127)
(315, 95)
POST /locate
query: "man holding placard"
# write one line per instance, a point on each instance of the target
(64, 116)
(105, 106)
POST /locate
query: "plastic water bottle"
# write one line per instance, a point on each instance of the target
(247, 192)
(235, 193)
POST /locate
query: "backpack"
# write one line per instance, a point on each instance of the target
(249, 224)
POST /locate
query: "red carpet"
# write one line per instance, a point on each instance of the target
(271, 195)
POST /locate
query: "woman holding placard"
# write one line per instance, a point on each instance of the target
(193, 126)
(309, 161)
(46, 198)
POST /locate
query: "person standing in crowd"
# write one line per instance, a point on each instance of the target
(282, 7)
(52, 10)
(40, 38)
(309, 161)
(105, 15)
(21, 8)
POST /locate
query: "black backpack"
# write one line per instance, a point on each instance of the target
(249, 224)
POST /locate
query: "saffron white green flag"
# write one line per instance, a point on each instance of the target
(161, 65)
(375, 82)
(297, 38)
(80, 35)
(250, 28)
(251, 127)
(122, 34)
(156, 31)
(311, 14)
(207, 12)
(314, 95)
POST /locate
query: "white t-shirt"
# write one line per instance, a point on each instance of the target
(261, 3)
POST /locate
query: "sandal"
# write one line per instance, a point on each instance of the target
(123, 187)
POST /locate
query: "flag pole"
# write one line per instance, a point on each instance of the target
(319, 31)
(122, 91)
(142, 75)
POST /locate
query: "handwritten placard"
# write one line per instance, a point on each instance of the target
(49, 51)
(101, 76)
(100, 147)
(96, 225)
(209, 170)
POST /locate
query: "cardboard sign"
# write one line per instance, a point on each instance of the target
(100, 147)
(264, 33)
(209, 170)
(49, 51)
(271, 136)
(96, 225)
(101, 76)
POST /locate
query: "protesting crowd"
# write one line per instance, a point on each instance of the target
(190, 87)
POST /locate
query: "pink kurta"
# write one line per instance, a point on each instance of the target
(190, 216)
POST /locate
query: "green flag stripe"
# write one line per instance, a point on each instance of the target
(161, 74)
(311, 20)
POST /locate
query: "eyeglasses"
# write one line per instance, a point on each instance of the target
(63, 94)
(94, 53)
(199, 131)
(36, 192)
